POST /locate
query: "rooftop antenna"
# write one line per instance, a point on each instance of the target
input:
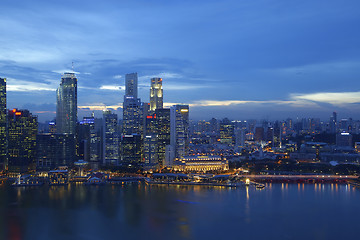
(72, 66)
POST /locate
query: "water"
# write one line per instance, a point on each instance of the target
(280, 211)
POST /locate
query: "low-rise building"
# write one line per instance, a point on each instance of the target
(201, 164)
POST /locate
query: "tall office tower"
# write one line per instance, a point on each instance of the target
(3, 125)
(156, 94)
(83, 138)
(23, 128)
(66, 107)
(131, 85)
(111, 139)
(150, 140)
(132, 106)
(90, 130)
(179, 129)
(163, 133)
(333, 123)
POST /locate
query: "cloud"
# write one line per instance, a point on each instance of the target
(335, 98)
(112, 87)
(100, 106)
(15, 85)
(117, 76)
(164, 75)
(216, 103)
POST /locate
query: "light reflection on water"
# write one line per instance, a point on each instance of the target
(178, 212)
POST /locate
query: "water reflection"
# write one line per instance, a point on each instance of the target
(137, 211)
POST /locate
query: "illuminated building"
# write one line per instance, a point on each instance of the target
(357, 147)
(58, 177)
(52, 127)
(96, 131)
(157, 136)
(150, 140)
(23, 128)
(179, 129)
(150, 147)
(163, 132)
(226, 131)
(201, 164)
(111, 138)
(131, 149)
(156, 94)
(3, 125)
(66, 107)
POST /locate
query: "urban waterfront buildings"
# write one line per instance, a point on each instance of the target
(3, 125)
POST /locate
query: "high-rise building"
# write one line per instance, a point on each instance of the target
(54, 150)
(131, 85)
(162, 117)
(23, 127)
(156, 94)
(111, 138)
(132, 107)
(66, 107)
(179, 129)
(3, 124)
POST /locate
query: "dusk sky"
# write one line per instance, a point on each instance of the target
(262, 59)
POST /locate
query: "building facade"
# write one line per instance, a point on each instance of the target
(111, 138)
(66, 105)
(179, 129)
(156, 94)
(23, 128)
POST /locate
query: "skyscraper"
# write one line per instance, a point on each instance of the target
(23, 128)
(163, 133)
(132, 122)
(66, 107)
(3, 124)
(156, 94)
(111, 138)
(179, 129)
(131, 85)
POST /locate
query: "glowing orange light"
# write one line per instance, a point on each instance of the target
(14, 110)
(18, 113)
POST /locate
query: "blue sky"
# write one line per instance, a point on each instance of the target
(237, 59)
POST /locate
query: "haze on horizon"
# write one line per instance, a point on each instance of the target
(237, 59)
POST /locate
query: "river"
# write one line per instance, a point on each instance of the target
(139, 211)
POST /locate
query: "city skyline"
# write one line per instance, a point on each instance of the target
(241, 60)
